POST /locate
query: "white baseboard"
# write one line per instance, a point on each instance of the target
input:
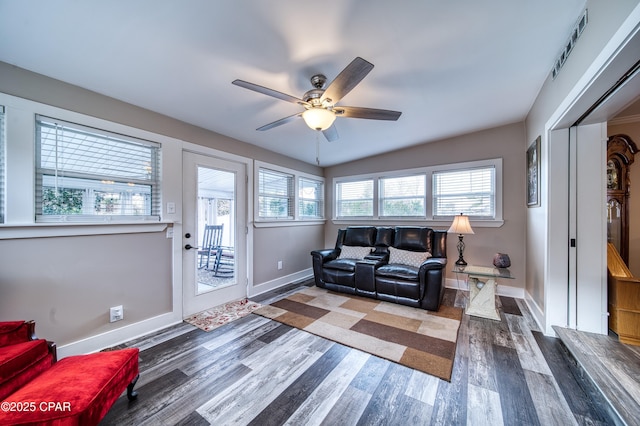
(538, 314)
(264, 287)
(456, 284)
(118, 336)
(139, 329)
(515, 292)
(502, 290)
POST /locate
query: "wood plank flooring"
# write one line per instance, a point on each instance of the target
(612, 367)
(255, 371)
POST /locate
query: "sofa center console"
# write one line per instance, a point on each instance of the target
(366, 273)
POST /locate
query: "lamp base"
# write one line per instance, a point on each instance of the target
(461, 262)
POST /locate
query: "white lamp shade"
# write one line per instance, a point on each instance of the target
(319, 118)
(461, 225)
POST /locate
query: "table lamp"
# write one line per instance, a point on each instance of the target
(460, 226)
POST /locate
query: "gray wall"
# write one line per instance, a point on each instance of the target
(291, 245)
(502, 142)
(68, 284)
(605, 18)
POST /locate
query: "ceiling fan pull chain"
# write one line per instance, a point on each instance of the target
(318, 147)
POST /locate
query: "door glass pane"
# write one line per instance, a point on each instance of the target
(215, 265)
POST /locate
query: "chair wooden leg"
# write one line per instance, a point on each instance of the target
(131, 394)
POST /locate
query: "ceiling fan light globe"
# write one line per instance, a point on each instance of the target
(318, 118)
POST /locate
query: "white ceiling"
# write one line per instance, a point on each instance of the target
(451, 67)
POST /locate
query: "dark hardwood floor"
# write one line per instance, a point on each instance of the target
(260, 372)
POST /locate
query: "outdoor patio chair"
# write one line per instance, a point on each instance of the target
(210, 249)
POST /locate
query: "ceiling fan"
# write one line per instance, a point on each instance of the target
(320, 104)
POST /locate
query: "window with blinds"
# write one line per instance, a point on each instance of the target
(84, 173)
(310, 198)
(355, 198)
(2, 165)
(275, 194)
(403, 196)
(468, 191)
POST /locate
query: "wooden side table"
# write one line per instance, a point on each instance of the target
(482, 289)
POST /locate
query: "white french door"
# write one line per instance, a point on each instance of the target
(214, 200)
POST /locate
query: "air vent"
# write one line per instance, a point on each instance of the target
(569, 45)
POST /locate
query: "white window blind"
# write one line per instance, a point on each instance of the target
(354, 199)
(275, 194)
(403, 196)
(83, 172)
(470, 191)
(2, 166)
(310, 198)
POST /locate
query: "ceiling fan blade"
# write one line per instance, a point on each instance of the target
(268, 92)
(347, 79)
(331, 133)
(368, 113)
(280, 122)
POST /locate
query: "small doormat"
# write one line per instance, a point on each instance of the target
(220, 315)
(413, 337)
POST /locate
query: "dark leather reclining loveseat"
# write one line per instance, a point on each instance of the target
(402, 264)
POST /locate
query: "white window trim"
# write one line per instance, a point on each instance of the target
(3, 165)
(155, 184)
(259, 222)
(429, 219)
(357, 178)
(20, 148)
(380, 199)
(298, 199)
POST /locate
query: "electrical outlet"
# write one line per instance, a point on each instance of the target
(279, 264)
(116, 313)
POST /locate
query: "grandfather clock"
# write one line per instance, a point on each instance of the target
(620, 152)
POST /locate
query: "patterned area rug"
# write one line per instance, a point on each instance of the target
(413, 337)
(220, 315)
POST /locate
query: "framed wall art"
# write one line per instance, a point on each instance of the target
(533, 174)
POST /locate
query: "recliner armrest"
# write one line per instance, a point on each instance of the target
(434, 263)
(325, 255)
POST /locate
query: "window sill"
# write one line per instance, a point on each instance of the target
(45, 230)
(276, 224)
(414, 222)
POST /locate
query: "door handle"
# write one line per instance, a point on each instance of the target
(189, 247)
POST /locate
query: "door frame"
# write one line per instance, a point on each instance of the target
(178, 229)
(561, 306)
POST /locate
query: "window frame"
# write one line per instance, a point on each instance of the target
(154, 183)
(297, 218)
(382, 198)
(320, 200)
(429, 217)
(374, 196)
(20, 221)
(492, 193)
(3, 166)
(289, 197)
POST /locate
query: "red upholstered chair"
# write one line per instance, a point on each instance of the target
(77, 390)
(22, 355)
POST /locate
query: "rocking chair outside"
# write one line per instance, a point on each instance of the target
(210, 250)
